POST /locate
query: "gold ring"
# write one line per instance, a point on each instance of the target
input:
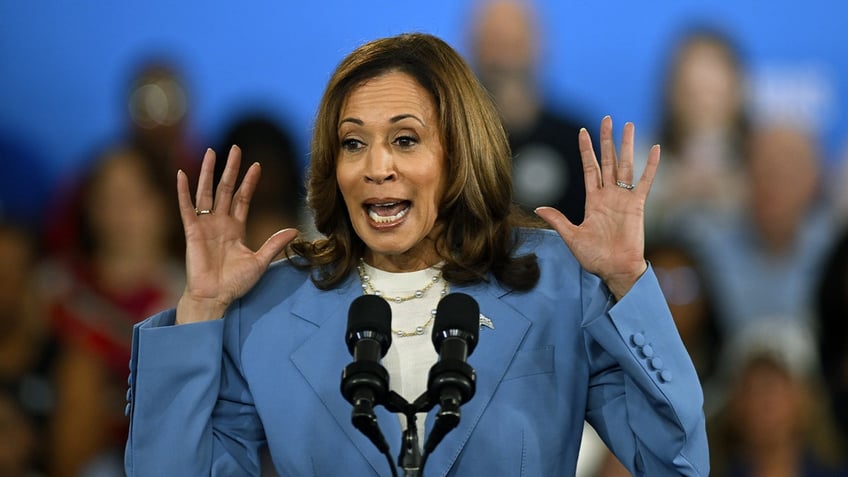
(202, 211)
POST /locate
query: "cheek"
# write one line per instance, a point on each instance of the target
(345, 184)
(435, 197)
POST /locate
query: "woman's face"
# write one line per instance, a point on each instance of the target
(391, 170)
(126, 211)
(705, 93)
(767, 405)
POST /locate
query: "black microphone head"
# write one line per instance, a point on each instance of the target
(457, 315)
(369, 315)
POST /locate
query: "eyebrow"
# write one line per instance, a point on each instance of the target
(393, 120)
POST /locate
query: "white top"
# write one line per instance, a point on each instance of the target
(409, 358)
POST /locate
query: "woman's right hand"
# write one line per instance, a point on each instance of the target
(219, 266)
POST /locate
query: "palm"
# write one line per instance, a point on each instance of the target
(610, 241)
(219, 266)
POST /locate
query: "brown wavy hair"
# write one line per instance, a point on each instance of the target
(477, 207)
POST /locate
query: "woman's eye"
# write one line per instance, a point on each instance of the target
(406, 141)
(351, 144)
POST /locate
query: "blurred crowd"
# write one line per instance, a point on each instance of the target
(746, 234)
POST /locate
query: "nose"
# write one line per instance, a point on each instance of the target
(380, 165)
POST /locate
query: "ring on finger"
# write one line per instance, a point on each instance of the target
(202, 211)
(625, 185)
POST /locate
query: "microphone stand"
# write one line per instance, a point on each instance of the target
(411, 459)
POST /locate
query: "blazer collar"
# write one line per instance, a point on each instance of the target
(323, 355)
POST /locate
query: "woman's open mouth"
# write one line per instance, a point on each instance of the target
(386, 213)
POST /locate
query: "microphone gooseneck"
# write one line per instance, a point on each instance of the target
(452, 381)
(365, 382)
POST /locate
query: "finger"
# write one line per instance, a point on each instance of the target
(625, 165)
(607, 152)
(241, 201)
(275, 244)
(650, 172)
(591, 169)
(558, 221)
(184, 198)
(224, 191)
(204, 182)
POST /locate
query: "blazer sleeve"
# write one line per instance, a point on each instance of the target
(645, 399)
(190, 411)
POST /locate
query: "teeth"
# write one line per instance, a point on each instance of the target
(387, 219)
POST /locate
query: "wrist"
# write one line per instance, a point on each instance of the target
(192, 310)
(620, 284)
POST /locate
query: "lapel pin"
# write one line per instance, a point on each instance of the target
(485, 321)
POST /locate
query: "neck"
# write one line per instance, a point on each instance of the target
(121, 271)
(422, 257)
(777, 460)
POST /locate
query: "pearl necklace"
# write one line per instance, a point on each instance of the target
(369, 289)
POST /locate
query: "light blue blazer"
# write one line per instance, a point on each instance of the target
(204, 398)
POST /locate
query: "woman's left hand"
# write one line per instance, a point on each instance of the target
(610, 242)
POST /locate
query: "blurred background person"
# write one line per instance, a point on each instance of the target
(28, 357)
(832, 320)
(159, 120)
(775, 422)
(703, 129)
(689, 296)
(506, 55)
(279, 199)
(126, 265)
(763, 260)
(157, 126)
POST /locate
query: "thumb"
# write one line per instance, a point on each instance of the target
(275, 244)
(558, 221)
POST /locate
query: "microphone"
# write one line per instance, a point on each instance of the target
(451, 381)
(365, 382)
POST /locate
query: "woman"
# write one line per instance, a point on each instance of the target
(775, 420)
(703, 128)
(409, 182)
(123, 268)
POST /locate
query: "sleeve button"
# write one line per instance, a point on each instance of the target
(665, 376)
(638, 339)
(648, 351)
(657, 363)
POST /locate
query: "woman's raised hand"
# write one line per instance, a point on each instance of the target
(610, 242)
(219, 266)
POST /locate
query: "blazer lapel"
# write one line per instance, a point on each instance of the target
(490, 360)
(322, 357)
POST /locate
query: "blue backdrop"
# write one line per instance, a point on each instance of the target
(65, 64)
